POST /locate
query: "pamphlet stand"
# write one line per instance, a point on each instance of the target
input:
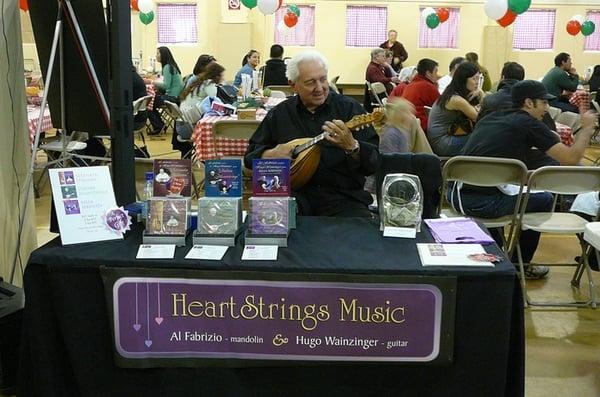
(279, 240)
(215, 239)
(178, 240)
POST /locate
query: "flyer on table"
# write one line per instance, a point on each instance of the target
(82, 198)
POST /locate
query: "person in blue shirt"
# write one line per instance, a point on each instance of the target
(249, 65)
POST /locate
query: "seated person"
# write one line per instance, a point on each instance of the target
(249, 65)
(139, 91)
(562, 78)
(336, 188)
(202, 61)
(389, 59)
(377, 70)
(510, 134)
(172, 85)
(445, 80)
(474, 59)
(274, 70)
(594, 81)
(422, 91)
(452, 116)
(512, 73)
(405, 76)
(204, 85)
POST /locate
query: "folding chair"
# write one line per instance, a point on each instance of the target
(571, 119)
(377, 90)
(486, 172)
(560, 180)
(333, 84)
(278, 94)
(285, 88)
(554, 112)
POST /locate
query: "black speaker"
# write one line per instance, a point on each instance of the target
(11, 318)
(83, 111)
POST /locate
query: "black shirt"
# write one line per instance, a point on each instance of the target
(339, 179)
(274, 73)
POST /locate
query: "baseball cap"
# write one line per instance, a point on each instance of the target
(529, 89)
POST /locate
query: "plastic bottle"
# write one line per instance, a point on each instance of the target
(148, 186)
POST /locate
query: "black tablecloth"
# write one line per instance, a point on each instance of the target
(68, 347)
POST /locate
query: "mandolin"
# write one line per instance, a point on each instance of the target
(306, 154)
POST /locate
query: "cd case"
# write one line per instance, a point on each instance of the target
(167, 216)
(219, 216)
(269, 215)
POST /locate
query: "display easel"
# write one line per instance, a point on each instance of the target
(65, 11)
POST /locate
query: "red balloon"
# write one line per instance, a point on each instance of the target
(23, 5)
(443, 14)
(507, 19)
(134, 5)
(290, 19)
(573, 27)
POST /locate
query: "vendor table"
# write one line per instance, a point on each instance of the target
(68, 346)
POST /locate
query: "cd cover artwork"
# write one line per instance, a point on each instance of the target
(218, 216)
(167, 217)
(223, 178)
(269, 216)
(271, 177)
(172, 178)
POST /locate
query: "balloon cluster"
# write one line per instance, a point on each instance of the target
(290, 19)
(578, 24)
(504, 12)
(267, 7)
(145, 8)
(434, 17)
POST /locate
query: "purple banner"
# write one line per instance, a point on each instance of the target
(276, 320)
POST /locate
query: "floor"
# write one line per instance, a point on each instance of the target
(563, 345)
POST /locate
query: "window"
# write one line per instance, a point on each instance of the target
(303, 34)
(592, 42)
(444, 36)
(177, 23)
(534, 30)
(366, 26)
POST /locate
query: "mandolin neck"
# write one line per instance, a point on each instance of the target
(300, 148)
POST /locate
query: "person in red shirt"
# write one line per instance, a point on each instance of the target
(423, 91)
(377, 70)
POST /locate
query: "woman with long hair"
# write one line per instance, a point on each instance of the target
(453, 115)
(204, 85)
(595, 79)
(202, 62)
(474, 59)
(171, 87)
(249, 64)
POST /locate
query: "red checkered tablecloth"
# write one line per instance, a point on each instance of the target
(207, 147)
(150, 91)
(566, 135)
(33, 113)
(581, 99)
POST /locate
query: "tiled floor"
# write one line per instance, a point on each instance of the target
(563, 345)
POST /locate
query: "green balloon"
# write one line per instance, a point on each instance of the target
(249, 3)
(432, 21)
(587, 28)
(295, 9)
(147, 18)
(519, 6)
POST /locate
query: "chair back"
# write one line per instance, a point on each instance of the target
(565, 179)
(278, 94)
(235, 129)
(285, 88)
(554, 112)
(378, 89)
(484, 171)
(569, 118)
(137, 105)
(425, 166)
(374, 99)
(173, 110)
(335, 79)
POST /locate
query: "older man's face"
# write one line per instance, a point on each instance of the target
(312, 86)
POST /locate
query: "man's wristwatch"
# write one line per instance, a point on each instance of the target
(354, 149)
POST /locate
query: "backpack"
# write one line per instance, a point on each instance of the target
(227, 93)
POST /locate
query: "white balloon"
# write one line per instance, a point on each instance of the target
(268, 6)
(495, 9)
(426, 12)
(578, 18)
(145, 6)
(282, 27)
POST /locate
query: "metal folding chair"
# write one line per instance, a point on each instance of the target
(285, 88)
(486, 172)
(560, 180)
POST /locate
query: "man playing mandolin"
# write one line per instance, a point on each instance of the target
(327, 177)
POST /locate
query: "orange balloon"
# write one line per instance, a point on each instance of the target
(443, 14)
(290, 19)
(134, 5)
(507, 19)
(573, 27)
(23, 5)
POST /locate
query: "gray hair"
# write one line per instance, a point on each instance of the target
(375, 52)
(292, 73)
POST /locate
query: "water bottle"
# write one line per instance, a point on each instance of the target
(147, 193)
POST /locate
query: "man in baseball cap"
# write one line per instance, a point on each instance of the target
(511, 134)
